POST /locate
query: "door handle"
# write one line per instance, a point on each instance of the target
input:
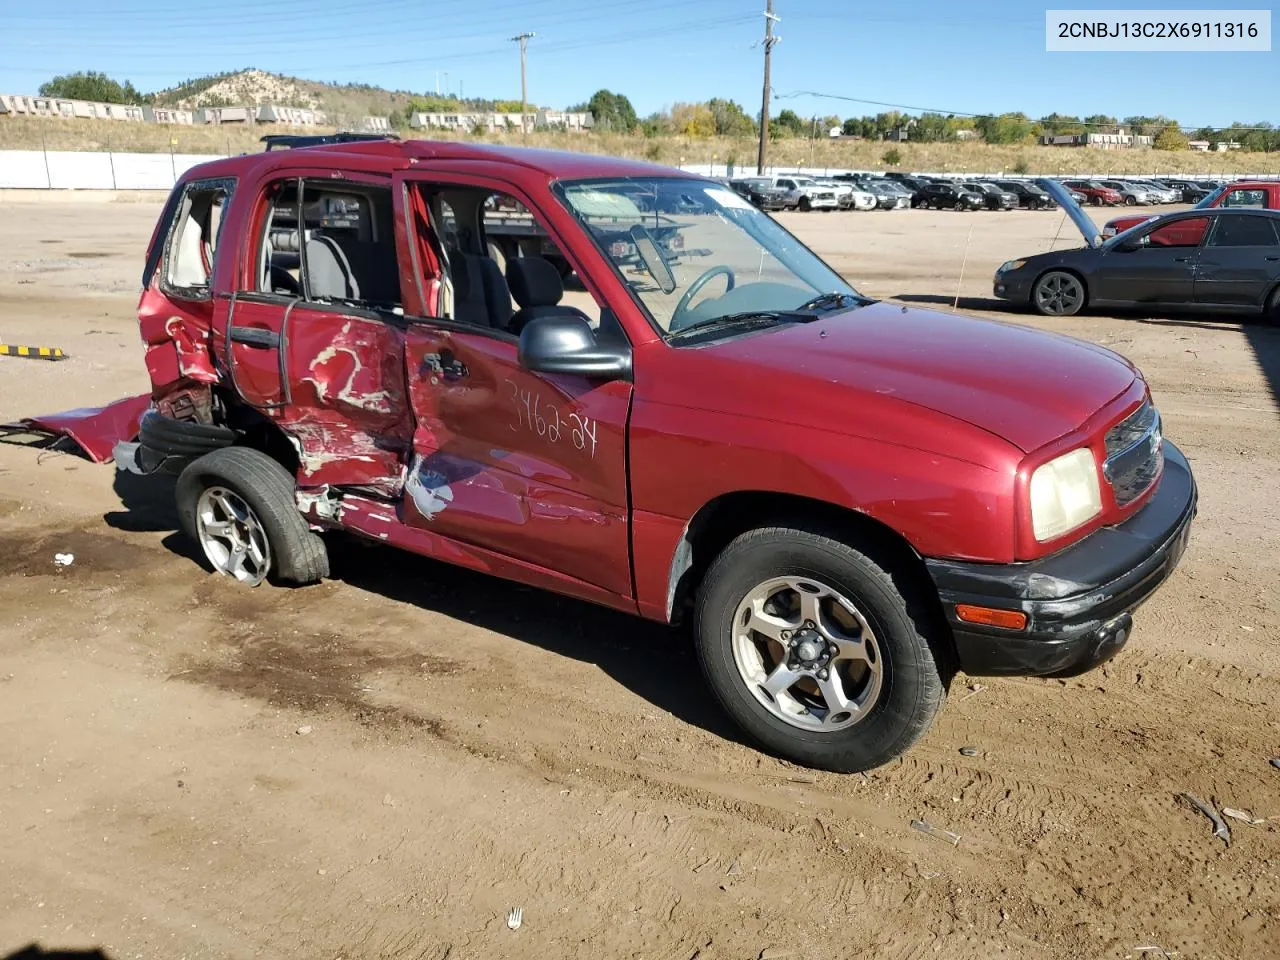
(1181, 259)
(255, 337)
(1271, 258)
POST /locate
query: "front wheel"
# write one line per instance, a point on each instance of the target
(805, 205)
(1058, 294)
(817, 651)
(238, 505)
(1130, 201)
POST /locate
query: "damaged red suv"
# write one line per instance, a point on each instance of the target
(625, 384)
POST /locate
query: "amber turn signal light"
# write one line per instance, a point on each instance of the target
(1009, 619)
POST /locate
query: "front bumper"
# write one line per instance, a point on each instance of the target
(1015, 285)
(1079, 601)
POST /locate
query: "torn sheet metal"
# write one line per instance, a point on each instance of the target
(96, 430)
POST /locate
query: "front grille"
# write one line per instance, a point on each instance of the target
(1135, 454)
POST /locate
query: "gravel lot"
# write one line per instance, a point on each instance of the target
(383, 765)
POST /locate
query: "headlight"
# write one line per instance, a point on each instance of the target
(1011, 265)
(1064, 494)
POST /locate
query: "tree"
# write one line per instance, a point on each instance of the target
(1006, 128)
(793, 123)
(730, 119)
(657, 124)
(892, 157)
(693, 120)
(91, 86)
(852, 127)
(612, 111)
(1171, 138)
(1058, 123)
(931, 127)
(1101, 123)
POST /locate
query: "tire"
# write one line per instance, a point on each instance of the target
(182, 437)
(805, 205)
(898, 707)
(252, 480)
(1272, 314)
(1058, 293)
(1096, 201)
(1130, 202)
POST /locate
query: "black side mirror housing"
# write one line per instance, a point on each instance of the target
(565, 343)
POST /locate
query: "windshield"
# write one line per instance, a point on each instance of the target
(1213, 197)
(698, 251)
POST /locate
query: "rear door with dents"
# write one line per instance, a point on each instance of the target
(313, 337)
(529, 465)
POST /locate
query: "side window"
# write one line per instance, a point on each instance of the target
(502, 266)
(193, 237)
(1246, 231)
(1245, 198)
(788, 184)
(1180, 233)
(331, 242)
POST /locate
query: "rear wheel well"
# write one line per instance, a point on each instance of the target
(725, 518)
(260, 433)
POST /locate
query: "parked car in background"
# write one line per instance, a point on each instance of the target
(889, 194)
(1094, 192)
(994, 197)
(1216, 260)
(1261, 194)
(805, 193)
(1161, 192)
(1030, 197)
(1191, 191)
(1132, 194)
(675, 443)
(949, 196)
(849, 196)
(761, 192)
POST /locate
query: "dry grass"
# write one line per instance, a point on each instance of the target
(28, 133)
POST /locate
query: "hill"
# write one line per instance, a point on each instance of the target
(344, 103)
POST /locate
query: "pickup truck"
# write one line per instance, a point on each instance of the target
(845, 500)
(1261, 194)
(805, 193)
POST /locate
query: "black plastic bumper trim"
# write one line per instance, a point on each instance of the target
(1078, 600)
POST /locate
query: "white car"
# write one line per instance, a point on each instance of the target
(850, 196)
(807, 193)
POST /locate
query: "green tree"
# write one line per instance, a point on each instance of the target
(1171, 138)
(852, 127)
(892, 157)
(612, 111)
(1100, 123)
(92, 86)
(1006, 128)
(793, 123)
(730, 119)
(931, 127)
(1058, 123)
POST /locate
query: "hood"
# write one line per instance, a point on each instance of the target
(1025, 386)
(1084, 223)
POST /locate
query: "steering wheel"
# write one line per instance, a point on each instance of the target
(696, 287)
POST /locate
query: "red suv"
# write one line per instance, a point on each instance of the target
(1095, 193)
(1260, 194)
(848, 499)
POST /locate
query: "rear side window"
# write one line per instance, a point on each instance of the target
(1246, 231)
(192, 246)
(1245, 198)
(330, 242)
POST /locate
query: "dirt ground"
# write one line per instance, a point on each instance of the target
(383, 765)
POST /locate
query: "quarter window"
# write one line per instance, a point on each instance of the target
(193, 237)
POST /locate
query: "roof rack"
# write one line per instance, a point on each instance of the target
(290, 141)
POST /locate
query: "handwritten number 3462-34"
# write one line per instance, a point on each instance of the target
(545, 420)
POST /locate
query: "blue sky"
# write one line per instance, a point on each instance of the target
(973, 58)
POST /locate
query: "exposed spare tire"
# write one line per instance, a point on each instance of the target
(165, 443)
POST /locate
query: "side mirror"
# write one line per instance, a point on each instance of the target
(1131, 245)
(565, 343)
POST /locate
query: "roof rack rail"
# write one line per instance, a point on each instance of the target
(290, 141)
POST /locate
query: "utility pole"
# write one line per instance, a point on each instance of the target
(523, 39)
(769, 41)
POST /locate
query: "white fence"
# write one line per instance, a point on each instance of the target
(68, 170)
(82, 170)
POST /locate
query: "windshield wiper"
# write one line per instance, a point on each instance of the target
(832, 300)
(753, 318)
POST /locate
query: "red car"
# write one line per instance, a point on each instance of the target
(1095, 193)
(848, 499)
(1259, 194)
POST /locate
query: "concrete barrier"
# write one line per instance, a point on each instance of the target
(83, 170)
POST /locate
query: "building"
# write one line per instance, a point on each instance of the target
(217, 115)
(18, 105)
(290, 116)
(167, 115)
(468, 122)
(1101, 141)
(375, 125)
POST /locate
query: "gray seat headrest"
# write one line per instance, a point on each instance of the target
(534, 282)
